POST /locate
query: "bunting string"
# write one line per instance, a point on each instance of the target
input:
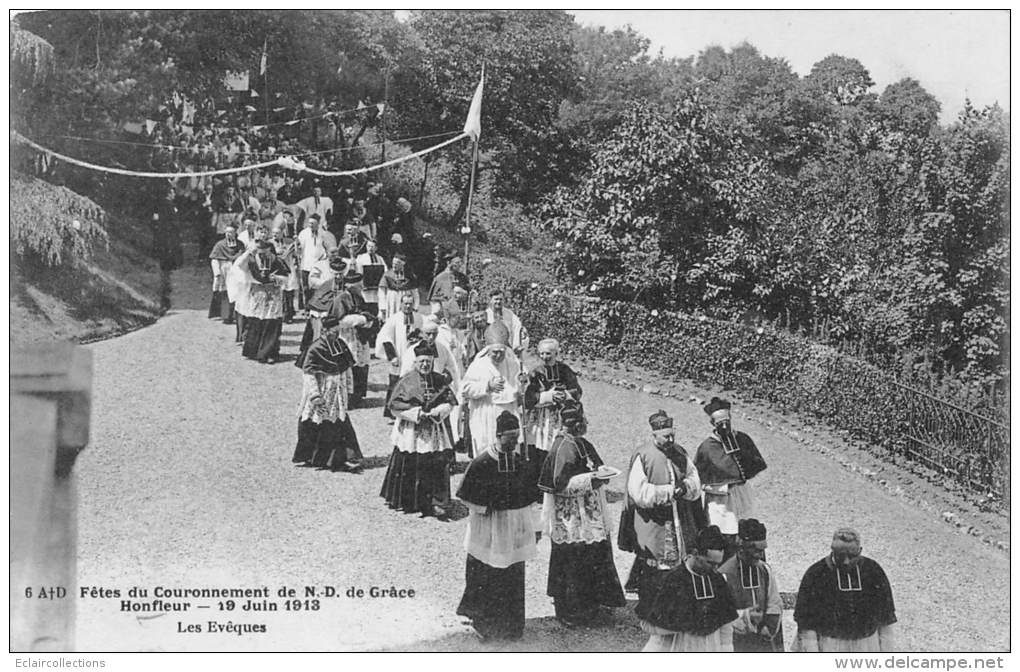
(201, 148)
(392, 162)
(285, 162)
(316, 116)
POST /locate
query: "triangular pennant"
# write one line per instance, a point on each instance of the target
(380, 107)
(150, 124)
(291, 123)
(254, 93)
(307, 106)
(473, 124)
(250, 108)
(279, 109)
(361, 105)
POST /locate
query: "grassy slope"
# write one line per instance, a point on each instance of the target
(116, 292)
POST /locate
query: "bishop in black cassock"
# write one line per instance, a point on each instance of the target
(326, 436)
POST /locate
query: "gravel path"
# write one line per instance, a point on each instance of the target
(188, 484)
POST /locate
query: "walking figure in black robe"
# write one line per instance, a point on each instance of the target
(499, 488)
(326, 437)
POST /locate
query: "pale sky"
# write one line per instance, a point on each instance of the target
(953, 54)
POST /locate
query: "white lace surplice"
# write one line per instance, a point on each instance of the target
(265, 301)
(333, 392)
(576, 515)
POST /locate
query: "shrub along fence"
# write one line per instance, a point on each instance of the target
(789, 371)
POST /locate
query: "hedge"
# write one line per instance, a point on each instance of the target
(787, 370)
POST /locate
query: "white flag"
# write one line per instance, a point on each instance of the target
(473, 125)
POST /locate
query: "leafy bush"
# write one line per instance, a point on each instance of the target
(51, 224)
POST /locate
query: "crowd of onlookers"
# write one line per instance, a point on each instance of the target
(202, 208)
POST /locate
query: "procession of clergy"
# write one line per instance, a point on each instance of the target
(457, 383)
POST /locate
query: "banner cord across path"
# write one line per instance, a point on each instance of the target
(286, 162)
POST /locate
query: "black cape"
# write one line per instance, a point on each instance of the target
(677, 609)
(853, 614)
(716, 466)
(328, 355)
(501, 483)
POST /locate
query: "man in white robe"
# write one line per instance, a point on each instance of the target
(392, 342)
(492, 384)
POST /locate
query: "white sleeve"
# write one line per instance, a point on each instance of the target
(645, 494)
(474, 386)
(579, 484)
(693, 482)
(774, 603)
(444, 410)
(412, 414)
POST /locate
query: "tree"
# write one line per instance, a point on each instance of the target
(908, 108)
(656, 192)
(763, 97)
(49, 225)
(529, 71)
(615, 70)
(845, 81)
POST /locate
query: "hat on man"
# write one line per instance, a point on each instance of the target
(749, 529)
(330, 321)
(711, 539)
(352, 277)
(507, 422)
(497, 334)
(337, 263)
(660, 420)
(425, 349)
(716, 404)
(400, 255)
